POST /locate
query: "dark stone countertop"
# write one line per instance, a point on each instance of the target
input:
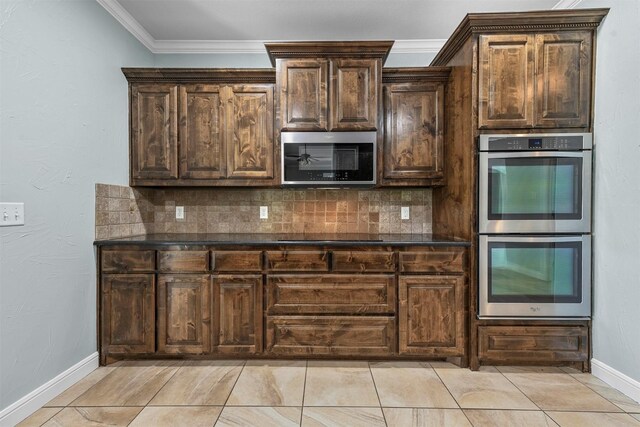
(274, 239)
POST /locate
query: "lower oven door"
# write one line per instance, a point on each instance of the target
(527, 276)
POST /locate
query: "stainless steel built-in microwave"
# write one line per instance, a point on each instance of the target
(328, 159)
(535, 183)
(534, 276)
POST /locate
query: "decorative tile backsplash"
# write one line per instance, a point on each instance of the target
(122, 211)
(237, 211)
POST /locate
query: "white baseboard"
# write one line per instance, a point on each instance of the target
(27, 405)
(616, 379)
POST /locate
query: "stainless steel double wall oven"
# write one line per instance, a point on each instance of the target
(535, 223)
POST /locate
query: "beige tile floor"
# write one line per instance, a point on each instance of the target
(335, 393)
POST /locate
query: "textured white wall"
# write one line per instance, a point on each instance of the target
(616, 317)
(63, 127)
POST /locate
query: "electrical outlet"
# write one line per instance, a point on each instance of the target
(11, 214)
(405, 212)
(264, 212)
(179, 212)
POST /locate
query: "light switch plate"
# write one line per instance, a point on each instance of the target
(11, 214)
(264, 212)
(179, 212)
(405, 212)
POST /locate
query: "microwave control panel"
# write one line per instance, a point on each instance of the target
(548, 142)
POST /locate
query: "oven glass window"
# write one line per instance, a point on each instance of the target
(535, 188)
(328, 162)
(535, 272)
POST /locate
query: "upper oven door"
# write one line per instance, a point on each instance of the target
(535, 192)
(328, 158)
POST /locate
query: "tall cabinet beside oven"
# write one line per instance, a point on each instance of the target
(513, 73)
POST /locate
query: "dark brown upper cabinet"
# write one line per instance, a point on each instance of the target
(201, 127)
(202, 132)
(563, 84)
(413, 143)
(328, 86)
(154, 131)
(250, 127)
(347, 100)
(354, 94)
(535, 80)
(303, 93)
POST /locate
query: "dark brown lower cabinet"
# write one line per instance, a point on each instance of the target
(331, 335)
(431, 315)
(128, 313)
(532, 344)
(238, 313)
(184, 313)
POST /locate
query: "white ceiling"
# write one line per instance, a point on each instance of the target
(208, 26)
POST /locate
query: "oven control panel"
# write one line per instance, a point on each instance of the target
(536, 142)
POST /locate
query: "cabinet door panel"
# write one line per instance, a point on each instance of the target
(154, 131)
(354, 94)
(238, 304)
(431, 315)
(331, 335)
(250, 147)
(184, 313)
(413, 144)
(537, 344)
(506, 81)
(303, 93)
(563, 87)
(128, 313)
(202, 133)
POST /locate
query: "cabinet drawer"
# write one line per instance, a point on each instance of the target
(349, 261)
(433, 261)
(511, 344)
(237, 260)
(331, 335)
(297, 260)
(331, 294)
(118, 261)
(183, 261)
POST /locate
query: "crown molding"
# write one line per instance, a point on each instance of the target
(418, 46)
(208, 46)
(567, 4)
(129, 22)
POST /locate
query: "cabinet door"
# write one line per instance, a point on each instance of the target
(413, 138)
(506, 81)
(154, 131)
(563, 87)
(184, 313)
(431, 315)
(250, 146)
(238, 313)
(303, 93)
(202, 133)
(354, 94)
(128, 313)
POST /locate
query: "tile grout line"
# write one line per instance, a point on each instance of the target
(589, 386)
(375, 387)
(156, 393)
(445, 386)
(518, 388)
(304, 389)
(244, 363)
(451, 394)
